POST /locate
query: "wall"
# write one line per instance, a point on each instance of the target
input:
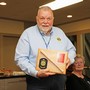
(76, 26)
(9, 33)
(11, 27)
(79, 29)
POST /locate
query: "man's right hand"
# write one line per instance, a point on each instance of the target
(44, 73)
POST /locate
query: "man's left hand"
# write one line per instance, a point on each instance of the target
(68, 63)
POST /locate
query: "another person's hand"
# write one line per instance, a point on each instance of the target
(44, 73)
(68, 63)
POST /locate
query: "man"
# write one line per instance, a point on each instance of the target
(43, 35)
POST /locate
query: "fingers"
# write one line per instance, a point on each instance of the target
(44, 73)
(67, 63)
(50, 73)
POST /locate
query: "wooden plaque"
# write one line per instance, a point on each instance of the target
(55, 61)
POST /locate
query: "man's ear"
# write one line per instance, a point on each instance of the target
(53, 18)
(36, 18)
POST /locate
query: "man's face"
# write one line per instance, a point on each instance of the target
(45, 20)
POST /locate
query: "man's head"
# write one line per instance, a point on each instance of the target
(45, 19)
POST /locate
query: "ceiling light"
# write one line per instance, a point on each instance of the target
(69, 16)
(3, 3)
(57, 4)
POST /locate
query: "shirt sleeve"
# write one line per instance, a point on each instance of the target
(70, 48)
(22, 55)
(71, 51)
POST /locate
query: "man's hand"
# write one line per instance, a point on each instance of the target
(68, 63)
(44, 73)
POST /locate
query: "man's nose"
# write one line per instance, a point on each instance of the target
(45, 20)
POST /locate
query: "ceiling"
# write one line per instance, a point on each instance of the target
(26, 10)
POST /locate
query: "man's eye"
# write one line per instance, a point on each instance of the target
(45, 19)
(42, 18)
(49, 19)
